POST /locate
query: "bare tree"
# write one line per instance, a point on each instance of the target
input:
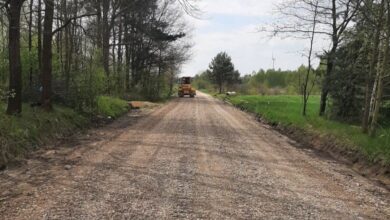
(377, 20)
(377, 93)
(333, 18)
(190, 7)
(305, 90)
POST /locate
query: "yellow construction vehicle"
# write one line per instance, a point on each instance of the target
(185, 88)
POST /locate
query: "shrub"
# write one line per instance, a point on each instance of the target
(111, 107)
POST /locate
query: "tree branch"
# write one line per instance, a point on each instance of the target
(69, 21)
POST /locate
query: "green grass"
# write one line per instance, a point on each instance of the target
(111, 107)
(35, 127)
(286, 110)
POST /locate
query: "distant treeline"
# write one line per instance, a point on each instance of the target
(262, 82)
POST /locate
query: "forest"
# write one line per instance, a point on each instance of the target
(70, 52)
(67, 63)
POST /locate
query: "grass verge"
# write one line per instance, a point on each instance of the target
(286, 111)
(35, 127)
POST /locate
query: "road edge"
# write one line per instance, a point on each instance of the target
(326, 146)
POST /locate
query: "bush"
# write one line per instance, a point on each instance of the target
(85, 90)
(111, 107)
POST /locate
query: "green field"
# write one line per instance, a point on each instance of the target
(286, 110)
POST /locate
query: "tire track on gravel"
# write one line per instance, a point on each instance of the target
(199, 159)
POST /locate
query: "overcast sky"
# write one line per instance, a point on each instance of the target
(231, 26)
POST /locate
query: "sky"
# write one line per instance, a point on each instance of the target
(232, 26)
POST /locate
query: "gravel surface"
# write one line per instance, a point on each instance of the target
(190, 159)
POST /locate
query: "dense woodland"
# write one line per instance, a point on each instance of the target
(70, 51)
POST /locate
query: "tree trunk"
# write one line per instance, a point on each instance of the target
(106, 39)
(113, 57)
(373, 63)
(126, 40)
(128, 67)
(330, 60)
(47, 56)
(15, 66)
(99, 24)
(30, 23)
(380, 78)
(120, 55)
(69, 46)
(39, 39)
(306, 90)
(76, 47)
(3, 46)
(171, 80)
(159, 72)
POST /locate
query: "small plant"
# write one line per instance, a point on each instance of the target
(111, 107)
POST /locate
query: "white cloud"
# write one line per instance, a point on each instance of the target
(249, 50)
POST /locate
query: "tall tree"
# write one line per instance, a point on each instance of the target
(47, 56)
(106, 39)
(381, 73)
(39, 37)
(221, 70)
(30, 35)
(15, 66)
(304, 84)
(378, 26)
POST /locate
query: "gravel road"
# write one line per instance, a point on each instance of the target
(189, 159)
